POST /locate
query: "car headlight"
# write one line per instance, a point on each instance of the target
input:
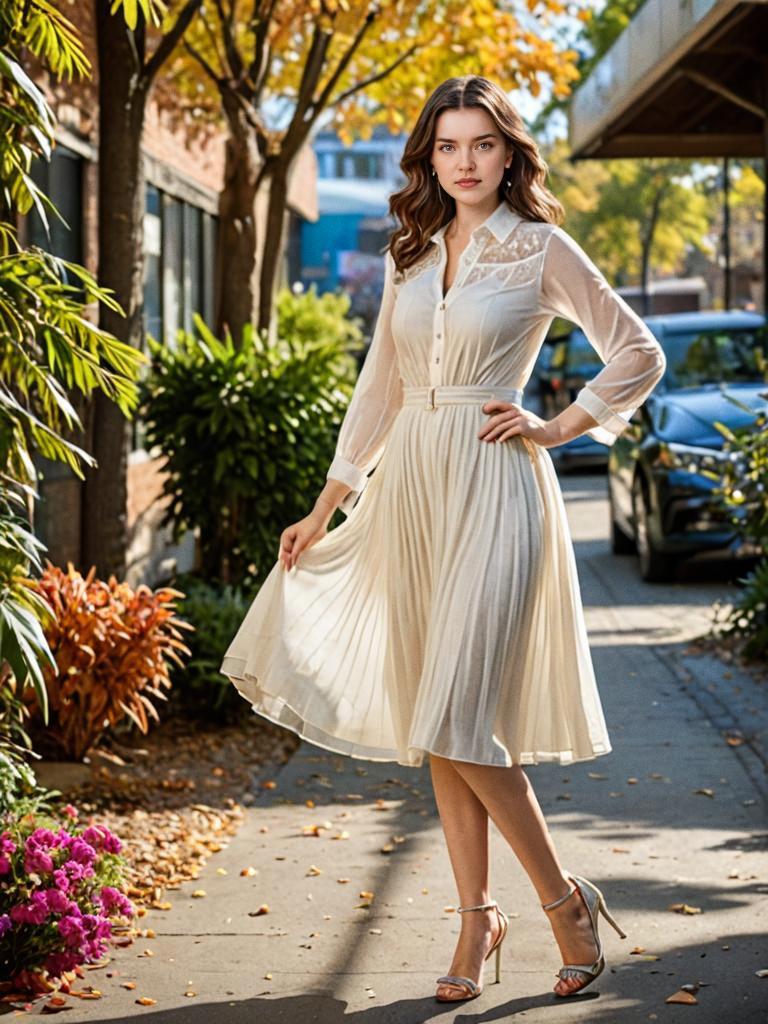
(694, 458)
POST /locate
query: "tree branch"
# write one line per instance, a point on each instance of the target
(170, 40)
(234, 59)
(322, 99)
(365, 82)
(210, 71)
(258, 69)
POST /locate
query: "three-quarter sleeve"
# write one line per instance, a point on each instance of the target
(574, 288)
(376, 400)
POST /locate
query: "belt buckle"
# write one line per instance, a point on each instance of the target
(431, 399)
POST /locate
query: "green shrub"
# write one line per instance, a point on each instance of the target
(743, 490)
(748, 618)
(249, 431)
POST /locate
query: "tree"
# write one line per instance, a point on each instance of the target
(127, 71)
(354, 63)
(632, 215)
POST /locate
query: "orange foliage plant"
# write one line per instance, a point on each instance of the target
(112, 645)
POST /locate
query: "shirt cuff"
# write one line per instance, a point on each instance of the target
(349, 474)
(610, 423)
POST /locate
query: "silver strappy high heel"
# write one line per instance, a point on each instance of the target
(471, 988)
(595, 901)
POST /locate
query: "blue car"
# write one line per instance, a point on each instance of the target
(660, 503)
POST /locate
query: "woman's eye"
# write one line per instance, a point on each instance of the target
(443, 146)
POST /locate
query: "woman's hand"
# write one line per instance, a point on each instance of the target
(512, 419)
(302, 535)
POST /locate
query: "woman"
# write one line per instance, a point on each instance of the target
(444, 615)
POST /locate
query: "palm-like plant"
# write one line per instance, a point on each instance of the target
(48, 346)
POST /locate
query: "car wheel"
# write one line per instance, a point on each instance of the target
(655, 567)
(621, 544)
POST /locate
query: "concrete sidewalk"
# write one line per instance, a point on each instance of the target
(673, 815)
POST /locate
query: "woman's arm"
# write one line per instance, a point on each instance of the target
(376, 400)
(574, 288)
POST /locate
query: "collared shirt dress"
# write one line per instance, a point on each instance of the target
(444, 613)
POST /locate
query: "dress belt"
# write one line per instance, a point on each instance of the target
(430, 396)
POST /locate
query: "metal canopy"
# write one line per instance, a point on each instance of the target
(687, 78)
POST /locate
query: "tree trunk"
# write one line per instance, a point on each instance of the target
(122, 102)
(276, 180)
(236, 257)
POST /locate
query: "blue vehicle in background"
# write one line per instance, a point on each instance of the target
(661, 505)
(565, 364)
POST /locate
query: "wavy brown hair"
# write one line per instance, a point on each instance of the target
(422, 206)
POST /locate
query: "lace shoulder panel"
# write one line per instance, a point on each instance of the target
(515, 260)
(429, 259)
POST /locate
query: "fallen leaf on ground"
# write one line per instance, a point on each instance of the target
(682, 996)
(684, 908)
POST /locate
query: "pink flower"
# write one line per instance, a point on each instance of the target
(34, 912)
(36, 851)
(61, 880)
(57, 963)
(70, 811)
(81, 851)
(5, 924)
(71, 930)
(7, 846)
(102, 839)
(56, 900)
(77, 872)
(113, 901)
(98, 930)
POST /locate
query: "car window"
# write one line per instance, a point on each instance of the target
(583, 360)
(712, 357)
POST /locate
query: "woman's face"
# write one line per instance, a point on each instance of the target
(468, 145)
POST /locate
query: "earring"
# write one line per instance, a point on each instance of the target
(433, 171)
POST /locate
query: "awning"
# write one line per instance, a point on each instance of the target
(686, 78)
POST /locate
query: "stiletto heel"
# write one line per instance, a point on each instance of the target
(595, 904)
(471, 988)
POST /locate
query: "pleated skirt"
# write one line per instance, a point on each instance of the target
(443, 615)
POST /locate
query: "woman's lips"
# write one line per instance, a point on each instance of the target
(467, 184)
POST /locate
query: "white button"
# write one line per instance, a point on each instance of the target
(438, 335)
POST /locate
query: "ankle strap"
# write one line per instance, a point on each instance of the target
(561, 899)
(480, 906)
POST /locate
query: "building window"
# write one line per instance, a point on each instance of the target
(179, 256)
(153, 309)
(61, 179)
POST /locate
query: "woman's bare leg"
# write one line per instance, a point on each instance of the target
(465, 824)
(508, 797)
